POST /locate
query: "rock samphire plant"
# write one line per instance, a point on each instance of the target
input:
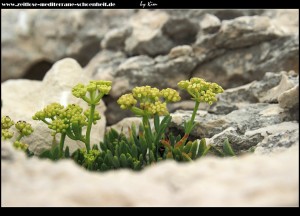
(69, 121)
(144, 144)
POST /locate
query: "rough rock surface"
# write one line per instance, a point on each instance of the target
(239, 66)
(29, 37)
(22, 98)
(253, 54)
(240, 117)
(274, 181)
(138, 47)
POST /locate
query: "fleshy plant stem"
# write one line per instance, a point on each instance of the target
(190, 124)
(89, 127)
(19, 137)
(61, 143)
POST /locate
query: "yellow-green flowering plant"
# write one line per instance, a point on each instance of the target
(116, 151)
(69, 121)
(148, 102)
(201, 91)
(23, 128)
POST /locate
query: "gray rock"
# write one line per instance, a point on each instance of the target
(240, 143)
(181, 30)
(124, 124)
(18, 51)
(222, 14)
(250, 180)
(234, 125)
(222, 107)
(242, 32)
(240, 66)
(147, 37)
(276, 137)
(180, 51)
(104, 65)
(144, 70)
(30, 37)
(210, 23)
(115, 39)
(289, 98)
(237, 33)
(265, 90)
(271, 138)
(31, 96)
(287, 20)
(284, 85)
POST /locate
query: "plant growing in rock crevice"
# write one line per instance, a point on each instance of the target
(201, 91)
(147, 102)
(145, 145)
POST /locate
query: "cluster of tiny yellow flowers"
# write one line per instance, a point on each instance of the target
(127, 101)
(96, 115)
(91, 156)
(59, 126)
(20, 145)
(170, 95)
(100, 87)
(158, 107)
(200, 90)
(6, 134)
(6, 123)
(63, 118)
(49, 111)
(150, 100)
(24, 128)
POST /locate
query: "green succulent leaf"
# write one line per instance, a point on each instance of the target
(228, 151)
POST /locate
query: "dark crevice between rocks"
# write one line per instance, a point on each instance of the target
(232, 14)
(294, 113)
(181, 31)
(237, 80)
(87, 52)
(38, 70)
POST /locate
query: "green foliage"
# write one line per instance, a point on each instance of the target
(226, 151)
(135, 152)
(54, 153)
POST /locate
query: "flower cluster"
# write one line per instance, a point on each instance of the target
(91, 156)
(200, 90)
(6, 123)
(20, 145)
(96, 89)
(24, 128)
(62, 118)
(95, 117)
(6, 134)
(127, 101)
(146, 100)
(50, 111)
(170, 95)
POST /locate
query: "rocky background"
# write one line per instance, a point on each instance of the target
(253, 54)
